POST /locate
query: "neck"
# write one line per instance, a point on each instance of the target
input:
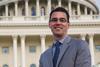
(58, 37)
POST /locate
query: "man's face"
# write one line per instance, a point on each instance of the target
(59, 23)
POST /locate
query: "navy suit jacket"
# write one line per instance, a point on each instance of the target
(73, 53)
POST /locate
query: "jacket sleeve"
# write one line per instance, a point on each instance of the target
(40, 61)
(83, 57)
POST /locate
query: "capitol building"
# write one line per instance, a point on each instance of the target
(24, 31)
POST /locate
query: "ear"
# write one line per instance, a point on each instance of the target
(68, 25)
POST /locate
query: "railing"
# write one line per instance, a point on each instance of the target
(24, 18)
(3, 2)
(46, 18)
(82, 17)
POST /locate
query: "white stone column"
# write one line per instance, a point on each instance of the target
(49, 6)
(37, 8)
(16, 8)
(78, 9)
(6, 9)
(59, 3)
(91, 12)
(23, 51)
(85, 10)
(83, 36)
(26, 7)
(15, 50)
(91, 45)
(70, 8)
(42, 43)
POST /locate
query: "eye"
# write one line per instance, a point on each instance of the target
(53, 20)
(62, 20)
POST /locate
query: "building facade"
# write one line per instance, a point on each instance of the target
(24, 31)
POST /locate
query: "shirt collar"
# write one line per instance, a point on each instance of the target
(61, 40)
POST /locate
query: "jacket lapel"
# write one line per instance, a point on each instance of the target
(50, 56)
(63, 49)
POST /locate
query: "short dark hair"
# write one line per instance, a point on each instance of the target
(60, 9)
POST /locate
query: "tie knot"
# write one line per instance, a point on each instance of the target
(58, 44)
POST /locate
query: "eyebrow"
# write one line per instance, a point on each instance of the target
(58, 18)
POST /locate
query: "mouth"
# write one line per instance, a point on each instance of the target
(58, 28)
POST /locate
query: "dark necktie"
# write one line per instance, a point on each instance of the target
(56, 53)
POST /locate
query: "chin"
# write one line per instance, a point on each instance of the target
(58, 34)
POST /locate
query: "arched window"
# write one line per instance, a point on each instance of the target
(33, 11)
(1, 13)
(5, 65)
(32, 65)
(52, 8)
(23, 11)
(42, 11)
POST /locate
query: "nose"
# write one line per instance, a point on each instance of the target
(57, 24)
(58, 21)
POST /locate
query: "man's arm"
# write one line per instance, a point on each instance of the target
(83, 58)
(40, 61)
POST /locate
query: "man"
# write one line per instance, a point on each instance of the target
(71, 52)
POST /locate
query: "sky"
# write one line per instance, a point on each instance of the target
(98, 3)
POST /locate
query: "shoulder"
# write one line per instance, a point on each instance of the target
(81, 47)
(46, 52)
(79, 43)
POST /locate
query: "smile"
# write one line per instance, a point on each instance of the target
(58, 28)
